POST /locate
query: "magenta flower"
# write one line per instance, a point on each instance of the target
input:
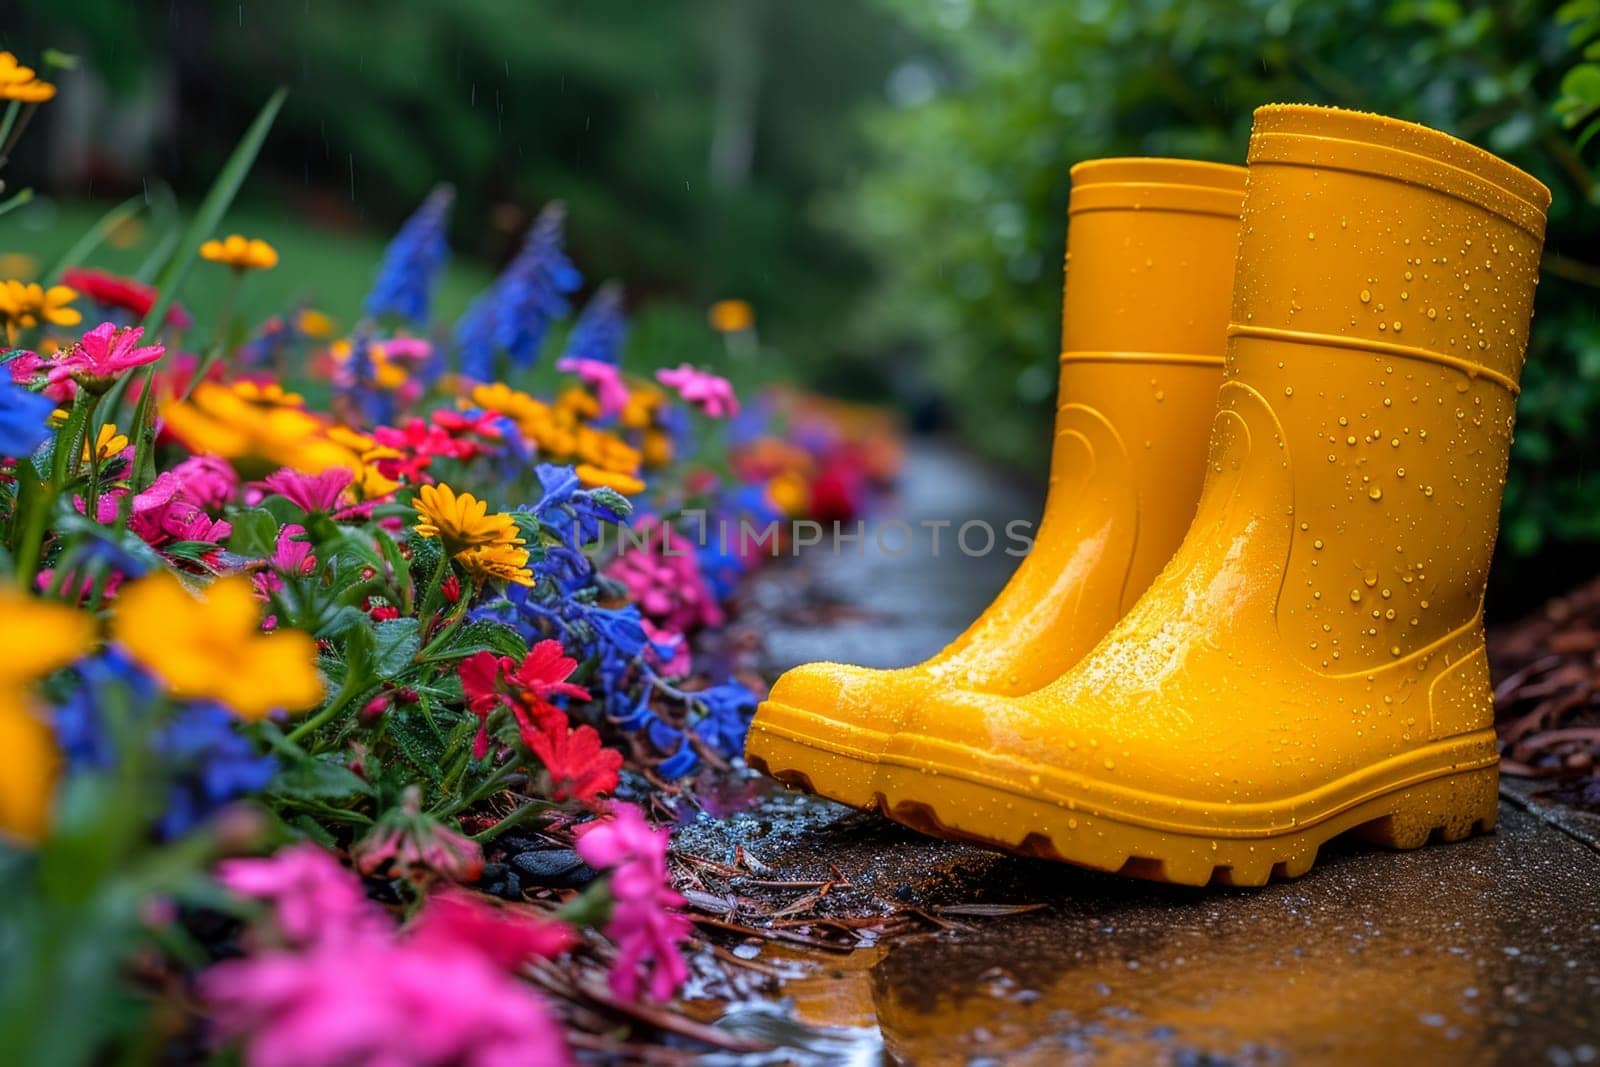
(417, 846)
(646, 924)
(507, 938)
(164, 513)
(603, 378)
(310, 493)
(380, 1001)
(349, 990)
(312, 896)
(709, 392)
(664, 578)
(103, 355)
(209, 481)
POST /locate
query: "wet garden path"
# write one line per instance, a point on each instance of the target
(1480, 952)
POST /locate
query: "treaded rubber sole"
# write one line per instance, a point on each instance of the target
(817, 754)
(1450, 806)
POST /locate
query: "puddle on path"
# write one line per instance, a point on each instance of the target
(1482, 952)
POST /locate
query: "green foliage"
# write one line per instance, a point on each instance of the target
(965, 208)
(682, 135)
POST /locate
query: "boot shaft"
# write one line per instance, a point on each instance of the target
(1381, 312)
(1151, 248)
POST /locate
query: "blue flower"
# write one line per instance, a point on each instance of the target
(209, 763)
(24, 417)
(728, 710)
(601, 328)
(412, 261)
(683, 758)
(214, 765)
(514, 313)
(79, 721)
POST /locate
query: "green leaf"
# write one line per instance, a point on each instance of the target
(255, 533)
(420, 740)
(213, 208)
(480, 635)
(94, 236)
(396, 644)
(316, 778)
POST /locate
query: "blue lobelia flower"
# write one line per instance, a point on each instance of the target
(214, 765)
(683, 758)
(514, 313)
(80, 727)
(601, 328)
(412, 262)
(24, 419)
(728, 710)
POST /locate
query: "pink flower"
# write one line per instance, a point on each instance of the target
(209, 481)
(349, 990)
(709, 392)
(104, 354)
(506, 937)
(312, 896)
(415, 846)
(163, 514)
(664, 578)
(379, 1001)
(25, 366)
(603, 378)
(646, 924)
(310, 493)
(675, 665)
(292, 557)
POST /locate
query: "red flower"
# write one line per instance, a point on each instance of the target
(580, 767)
(544, 673)
(113, 290)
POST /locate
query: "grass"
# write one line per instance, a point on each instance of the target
(331, 269)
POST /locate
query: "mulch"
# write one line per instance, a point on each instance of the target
(1547, 697)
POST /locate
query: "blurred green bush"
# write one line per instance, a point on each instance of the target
(964, 208)
(684, 137)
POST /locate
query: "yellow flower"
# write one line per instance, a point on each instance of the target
(597, 477)
(607, 450)
(789, 493)
(26, 304)
(643, 403)
(731, 316)
(656, 448)
(108, 443)
(268, 393)
(579, 402)
(20, 83)
(386, 373)
(366, 454)
(39, 636)
(212, 647)
(314, 323)
(29, 766)
(241, 253)
(258, 430)
(461, 521)
(501, 563)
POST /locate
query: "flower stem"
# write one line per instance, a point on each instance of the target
(340, 701)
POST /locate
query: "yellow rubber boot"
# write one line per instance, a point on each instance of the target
(1312, 659)
(1151, 245)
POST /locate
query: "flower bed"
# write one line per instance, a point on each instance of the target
(301, 623)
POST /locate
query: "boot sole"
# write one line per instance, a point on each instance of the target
(1446, 791)
(824, 756)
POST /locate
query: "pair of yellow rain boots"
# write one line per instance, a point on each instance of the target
(1216, 658)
